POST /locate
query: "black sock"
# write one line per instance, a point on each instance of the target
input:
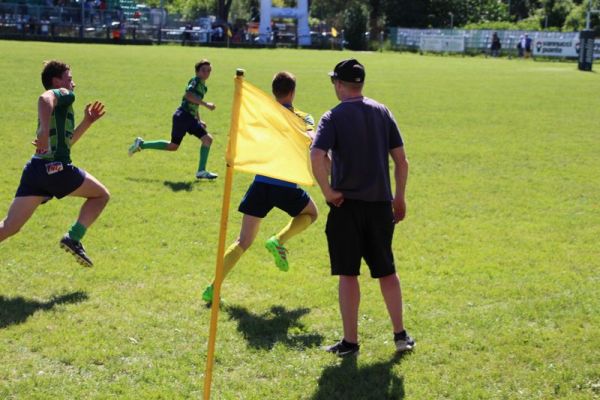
(348, 344)
(400, 335)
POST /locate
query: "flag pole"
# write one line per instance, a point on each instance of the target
(231, 147)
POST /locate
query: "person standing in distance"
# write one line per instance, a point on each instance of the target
(361, 134)
(50, 173)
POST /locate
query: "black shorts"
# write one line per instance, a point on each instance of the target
(49, 179)
(184, 122)
(262, 197)
(360, 229)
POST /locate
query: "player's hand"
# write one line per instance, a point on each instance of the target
(203, 124)
(399, 208)
(334, 197)
(93, 112)
(210, 106)
(39, 147)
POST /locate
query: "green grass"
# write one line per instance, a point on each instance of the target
(498, 255)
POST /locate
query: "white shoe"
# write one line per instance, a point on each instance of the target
(136, 146)
(206, 175)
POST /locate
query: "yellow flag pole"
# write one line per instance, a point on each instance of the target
(223, 232)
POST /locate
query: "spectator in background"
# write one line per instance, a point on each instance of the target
(524, 46)
(187, 34)
(496, 45)
(527, 46)
(521, 46)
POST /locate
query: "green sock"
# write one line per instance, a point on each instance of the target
(77, 231)
(156, 145)
(203, 158)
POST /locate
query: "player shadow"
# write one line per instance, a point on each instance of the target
(181, 186)
(16, 310)
(278, 325)
(347, 380)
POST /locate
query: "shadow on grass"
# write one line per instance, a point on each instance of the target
(181, 186)
(348, 381)
(265, 330)
(16, 310)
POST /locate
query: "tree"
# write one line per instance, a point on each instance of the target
(223, 7)
(556, 12)
(355, 27)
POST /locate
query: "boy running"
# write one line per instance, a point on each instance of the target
(50, 173)
(186, 119)
(265, 193)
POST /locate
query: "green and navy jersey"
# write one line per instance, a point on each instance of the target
(62, 125)
(197, 87)
(309, 121)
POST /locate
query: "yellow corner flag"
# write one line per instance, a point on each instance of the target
(266, 138)
(334, 32)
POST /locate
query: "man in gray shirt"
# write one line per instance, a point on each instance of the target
(361, 134)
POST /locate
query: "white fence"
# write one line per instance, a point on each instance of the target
(547, 44)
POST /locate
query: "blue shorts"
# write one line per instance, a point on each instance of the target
(262, 197)
(49, 179)
(184, 122)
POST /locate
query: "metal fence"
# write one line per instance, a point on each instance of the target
(40, 22)
(475, 41)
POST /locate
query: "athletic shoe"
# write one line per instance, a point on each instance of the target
(403, 342)
(343, 349)
(206, 175)
(136, 146)
(279, 253)
(76, 248)
(207, 295)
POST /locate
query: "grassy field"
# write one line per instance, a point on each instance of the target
(499, 255)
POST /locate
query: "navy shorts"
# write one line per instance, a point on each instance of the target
(49, 179)
(262, 197)
(184, 122)
(361, 229)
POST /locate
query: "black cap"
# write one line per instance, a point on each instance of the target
(349, 71)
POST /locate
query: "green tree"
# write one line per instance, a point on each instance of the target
(355, 27)
(556, 12)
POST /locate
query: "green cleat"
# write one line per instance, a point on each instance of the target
(279, 253)
(207, 296)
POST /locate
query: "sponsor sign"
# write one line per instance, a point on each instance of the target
(561, 48)
(556, 47)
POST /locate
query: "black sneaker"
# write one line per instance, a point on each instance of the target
(403, 342)
(343, 349)
(76, 248)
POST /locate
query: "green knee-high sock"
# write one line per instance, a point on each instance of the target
(296, 225)
(203, 158)
(77, 231)
(155, 145)
(232, 256)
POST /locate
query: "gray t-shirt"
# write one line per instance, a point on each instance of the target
(360, 132)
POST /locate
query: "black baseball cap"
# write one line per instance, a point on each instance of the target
(349, 71)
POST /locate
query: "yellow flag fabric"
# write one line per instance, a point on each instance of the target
(266, 138)
(334, 32)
